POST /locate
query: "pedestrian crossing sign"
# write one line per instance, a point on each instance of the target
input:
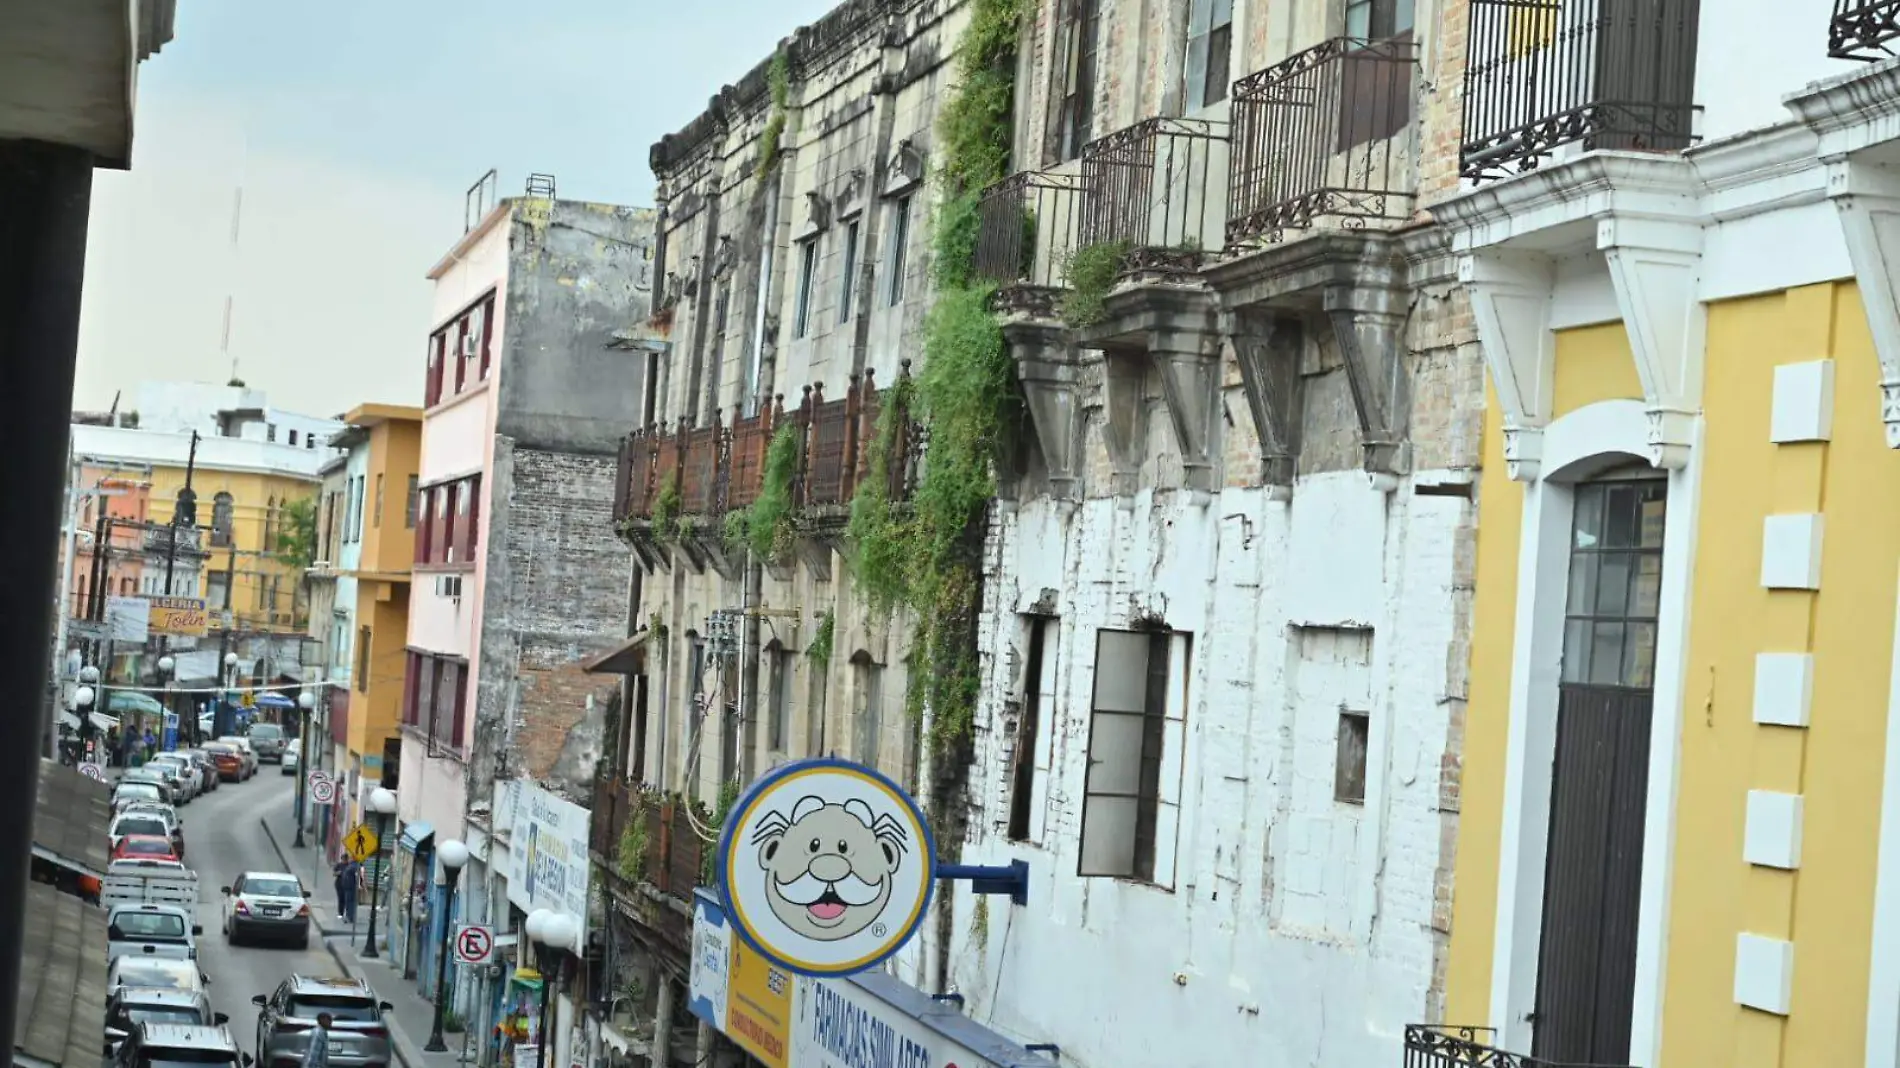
(360, 843)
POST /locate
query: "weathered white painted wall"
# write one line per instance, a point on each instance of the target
(1299, 929)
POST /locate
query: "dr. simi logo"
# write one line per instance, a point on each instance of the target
(826, 867)
(830, 865)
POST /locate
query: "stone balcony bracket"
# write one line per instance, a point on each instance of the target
(1267, 347)
(1866, 197)
(1369, 326)
(1188, 358)
(1048, 367)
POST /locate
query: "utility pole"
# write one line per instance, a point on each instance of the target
(184, 514)
(224, 645)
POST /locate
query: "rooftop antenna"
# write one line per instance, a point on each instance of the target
(237, 215)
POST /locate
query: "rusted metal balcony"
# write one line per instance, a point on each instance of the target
(1158, 188)
(671, 850)
(1863, 29)
(1325, 133)
(1439, 1046)
(1603, 74)
(1026, 229)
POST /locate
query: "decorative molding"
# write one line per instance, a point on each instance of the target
(1867, 199)
(1051, 377)
(1511, 298)
(907, 169)
(1190, 366)
(1124, 418)
(850, 199)
(725, 256)
(1772, 834)
(1656, 268)
(1267, 348)
(1764, 973)
(1791, 551)
(1784, 689)
(1369, 325)
(1803, 408)
(817, 215)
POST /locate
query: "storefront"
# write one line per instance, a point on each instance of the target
(869, 1020)
(415, 857)
(548, 867)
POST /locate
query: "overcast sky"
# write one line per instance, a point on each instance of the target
(355, 127)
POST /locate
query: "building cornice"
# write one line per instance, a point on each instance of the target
(1853, 110)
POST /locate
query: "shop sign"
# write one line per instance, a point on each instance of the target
(707, 990)
(549, 864)
(842, 1025)
(825, 867)
(183, 616)
(741, 994)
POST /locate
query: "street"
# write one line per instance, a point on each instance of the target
(222, 839)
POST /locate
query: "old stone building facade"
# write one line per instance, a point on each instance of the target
(1226, 597)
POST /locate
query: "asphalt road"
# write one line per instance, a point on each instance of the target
(222, 839)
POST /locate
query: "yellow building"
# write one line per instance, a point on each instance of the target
(1679, 838)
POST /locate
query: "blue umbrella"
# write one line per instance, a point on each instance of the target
(275, 700)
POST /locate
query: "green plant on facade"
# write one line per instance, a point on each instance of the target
(1091, 271)
(631, 857)
(709, 858)
(666, 508)
(297, 533)
(927, 557)
(778, 79)
(768, 521)
(820, 648)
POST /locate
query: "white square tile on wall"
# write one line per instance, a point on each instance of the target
(1764, 973)
(1772, 837)
(1804, 402)
(1784, 688)
(1791, 551)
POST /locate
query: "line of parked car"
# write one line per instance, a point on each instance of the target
(159, 1012)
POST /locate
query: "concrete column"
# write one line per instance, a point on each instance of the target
(703, 1048)
(663, 1023)
(45, 196)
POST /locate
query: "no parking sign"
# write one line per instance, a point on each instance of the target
(322, 788)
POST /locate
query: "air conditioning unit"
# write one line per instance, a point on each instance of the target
(471, 344)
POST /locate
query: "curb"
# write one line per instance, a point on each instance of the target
(282, 858)
(399, 1041)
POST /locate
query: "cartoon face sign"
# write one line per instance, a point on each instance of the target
(829, 867)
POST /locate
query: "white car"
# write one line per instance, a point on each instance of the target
(292, 756)
(151, 931)
(158, 973)
(179, 772)
(270, 905)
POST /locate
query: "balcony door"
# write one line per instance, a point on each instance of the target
(1600, 773)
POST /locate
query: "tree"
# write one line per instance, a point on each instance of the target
(297, 536)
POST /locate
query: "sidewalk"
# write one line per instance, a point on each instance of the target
(413, 1017)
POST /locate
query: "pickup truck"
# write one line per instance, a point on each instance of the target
(149, 882)
(166, 931)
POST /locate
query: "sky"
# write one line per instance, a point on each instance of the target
(355, 128)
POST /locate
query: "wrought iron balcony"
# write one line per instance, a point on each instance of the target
(1862, 29)
(1026, 230)
(1326, 133)
(1542, 74)
(1439, 1046)
(1157, 188)
(718, 468)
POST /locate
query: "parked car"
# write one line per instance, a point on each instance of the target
(230, 762)
(145, 847)
(243, 746)
(164, 1045)
(182, 780)
(187, 772)
(358, 1036)
(207, 771)
(161, 973)
(133, 1005)
(149, 817)
(267, 905)
(167, 790)
(268, 740)
(129, 793)
(293, 756)
(152, 931)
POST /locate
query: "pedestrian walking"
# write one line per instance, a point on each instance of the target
(317, 1053)
(349, 875)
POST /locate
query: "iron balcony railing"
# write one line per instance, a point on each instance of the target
(1325, 133)
(719, 468)
(1439, 1046)
(1026, 230)
(1863, 29)
(1609, 74)
(1158, 188)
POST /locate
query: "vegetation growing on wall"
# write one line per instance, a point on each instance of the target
(297, 536)
(1091, 271)
(820, 648)
(927, 558)
(666, 507)
(709, 857)
(631, 857)
(779, 80)
(768, 522)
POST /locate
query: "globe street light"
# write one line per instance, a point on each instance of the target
(453, 855)
(305, 702)
(166, 666)
(89, 674)
(382, 804)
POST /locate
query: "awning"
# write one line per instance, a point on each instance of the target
(627, 658)
(274, 700)
(414, 834)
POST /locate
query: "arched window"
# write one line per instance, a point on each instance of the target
(221, 519)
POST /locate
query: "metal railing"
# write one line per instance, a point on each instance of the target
(1026, 230)
(1542, 74)
(718, 468)
(1862, 29)
(1157, 187)
(1442, 1046)
(672, 851)
(1326, 132)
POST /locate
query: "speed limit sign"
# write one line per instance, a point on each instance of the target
(322, 788)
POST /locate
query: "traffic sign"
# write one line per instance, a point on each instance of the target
(93, 772)
(360, 843)
(474, 944)
(322, 788)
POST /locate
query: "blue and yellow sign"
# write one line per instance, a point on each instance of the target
(826, 867)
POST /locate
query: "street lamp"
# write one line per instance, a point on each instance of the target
(453, 855)
(305, 702)
(166, 666)
(554, 934)
(382, 804)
